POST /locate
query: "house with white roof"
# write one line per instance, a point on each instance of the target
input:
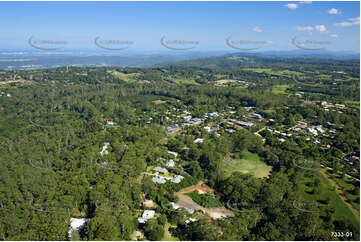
(159, 180)
(77, 224)
(198, 140)
(105, 149)
(177, 179)
(173, 153)
(170, 163)
(147, 214)
(160, 169)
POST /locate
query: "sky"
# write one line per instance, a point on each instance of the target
(203, 26)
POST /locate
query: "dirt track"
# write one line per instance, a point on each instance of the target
(186, 202)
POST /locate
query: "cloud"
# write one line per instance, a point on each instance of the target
(304, 28)
(257, 29)
(334, 35)
(291, 6)
(334, 11)
(351, 22)
(355, 21)
(305, 2)
(321, 28)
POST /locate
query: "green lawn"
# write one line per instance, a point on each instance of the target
(126, 77)
(271, 72)
(248, 163)
(280, 89)
(185, 81)
(326, 190)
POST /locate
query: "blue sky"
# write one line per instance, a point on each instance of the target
(208, 23)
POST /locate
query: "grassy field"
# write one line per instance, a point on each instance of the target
(280, 89)
(326, 190)
(223, 81)
(185, 81)
(271, 72)
(344, 183)
(249, 163)
(159, 102)
(126, 77)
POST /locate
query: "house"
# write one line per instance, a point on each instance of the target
(243, 123)
(158, 180)
(209, 129)
(173, 153)
(214, 114)
(148, 203)
(190, 220)
(177, 179)
(187, 118)
(319, 129)
(160, 169)
(147, 214)
(174, 205)
(111, 122)
(104, 150)
(256, 115)
(142, 220)
(173, 127)
(198, 140)
(77, 224)
(190, 211)
(170, 163)
(312, 131)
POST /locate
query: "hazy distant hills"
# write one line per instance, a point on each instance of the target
(18, 59)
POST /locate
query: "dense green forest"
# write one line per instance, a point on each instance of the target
(54, 125)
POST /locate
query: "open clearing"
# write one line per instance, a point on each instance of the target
(269, 71)
(280, 89)
(186, 202)
(249, 163)
(185, 81)
(126, 77)
(158, 102)
(327, 190)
